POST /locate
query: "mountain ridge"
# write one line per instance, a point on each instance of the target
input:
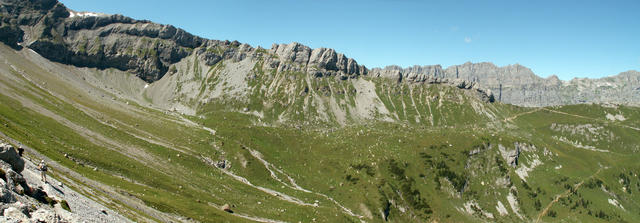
(149, 50)
(517, 84)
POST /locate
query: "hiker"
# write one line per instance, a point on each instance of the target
(43, 171)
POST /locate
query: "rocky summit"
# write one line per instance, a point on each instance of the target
(143, 122)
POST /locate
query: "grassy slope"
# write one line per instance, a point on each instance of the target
(362, 159)
(411, 169)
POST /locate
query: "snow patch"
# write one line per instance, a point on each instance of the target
(83, 14)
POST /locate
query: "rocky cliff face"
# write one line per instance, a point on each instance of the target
(513, 84)
(318, 62)
(432, 75)
(152, 51)
(96, 40)
(516, 84)
(142, 47)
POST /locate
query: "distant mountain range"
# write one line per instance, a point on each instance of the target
(516, 84)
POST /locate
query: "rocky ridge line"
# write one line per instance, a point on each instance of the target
(517, 84)
(150, 50)
(145, 48)
(139, 46)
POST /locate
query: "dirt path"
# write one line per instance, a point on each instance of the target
(565, 194)
(508, 119)
(594, 119)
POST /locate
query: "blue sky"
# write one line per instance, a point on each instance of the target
(567, 38)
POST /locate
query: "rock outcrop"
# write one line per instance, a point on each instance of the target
(96, 40)
(510, 155)
(10, 155)
(431, 75)
(413, 74)
(22, 201)
(25, 198)
(319, 62)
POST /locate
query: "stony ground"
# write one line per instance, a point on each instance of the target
(21, 207)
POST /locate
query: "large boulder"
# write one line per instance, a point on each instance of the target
(16, 182)
(10, 155)
(44, 215)
(5, 194)
(13, 213)
(226, 208)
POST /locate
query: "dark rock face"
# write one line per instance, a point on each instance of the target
(15, 13)
(11, 35)
(10, 155)
(101, 41)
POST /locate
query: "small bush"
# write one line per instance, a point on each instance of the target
(65, 205)
(395, 168)
(50, 201)
(501, 166)
(537, 205)
(601, 214)
(351, 179)
(369, 169)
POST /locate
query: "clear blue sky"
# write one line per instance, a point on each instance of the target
(567, 38)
